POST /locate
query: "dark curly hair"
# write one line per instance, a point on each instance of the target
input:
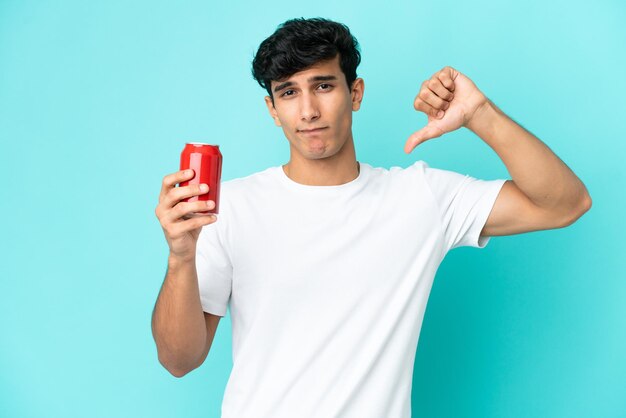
(300, 43)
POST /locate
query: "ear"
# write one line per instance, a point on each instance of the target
(273, 113)
(358, 87)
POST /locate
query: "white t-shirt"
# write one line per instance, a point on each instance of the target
(327, 285)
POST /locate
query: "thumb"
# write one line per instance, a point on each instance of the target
(427, 132)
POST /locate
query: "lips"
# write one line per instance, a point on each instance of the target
(312, 130)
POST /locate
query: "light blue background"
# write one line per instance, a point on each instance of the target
(98, 98)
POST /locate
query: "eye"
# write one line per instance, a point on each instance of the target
(328, 87)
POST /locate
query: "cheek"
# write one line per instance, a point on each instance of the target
(344, 118)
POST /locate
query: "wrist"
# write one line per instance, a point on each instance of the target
(177, 260)
(481, 117)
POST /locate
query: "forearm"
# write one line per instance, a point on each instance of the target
(534, 168)
(178, 324)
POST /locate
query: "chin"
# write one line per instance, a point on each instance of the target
(312, 148)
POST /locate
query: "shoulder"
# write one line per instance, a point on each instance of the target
(241, 195)
(250, 181)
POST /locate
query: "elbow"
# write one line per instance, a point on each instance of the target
(177, 373)
(174, 371)
(587, 203)
(583, 208)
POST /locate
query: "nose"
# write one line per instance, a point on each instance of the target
(309, 108)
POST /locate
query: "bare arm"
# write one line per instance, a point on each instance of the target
(178, 322)
(536, 171)
(182, 331)
(544, 192)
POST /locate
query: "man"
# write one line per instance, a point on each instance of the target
(326, 262)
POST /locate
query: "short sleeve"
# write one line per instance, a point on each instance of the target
(214, 269)
(464, 203)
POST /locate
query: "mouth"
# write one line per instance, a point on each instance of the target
(311, 131)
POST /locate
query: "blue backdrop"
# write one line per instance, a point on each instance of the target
(98, 98)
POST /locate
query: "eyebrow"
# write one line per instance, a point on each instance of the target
(316, 78)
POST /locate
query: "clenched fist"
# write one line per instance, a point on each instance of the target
(450, 100)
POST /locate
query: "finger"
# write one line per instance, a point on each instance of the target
(446, 79)
(183, 210)
(429, 103)
(427, 132)
(171, 180)
(429, 96)
(196, 222)
(443, 92)
(177, 194)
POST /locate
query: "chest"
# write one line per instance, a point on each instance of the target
(358, 244)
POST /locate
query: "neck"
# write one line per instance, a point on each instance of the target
(322, 177)
(335, 170)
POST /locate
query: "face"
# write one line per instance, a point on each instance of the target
(317, 97)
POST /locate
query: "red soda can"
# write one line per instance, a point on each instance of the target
(206, 162)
